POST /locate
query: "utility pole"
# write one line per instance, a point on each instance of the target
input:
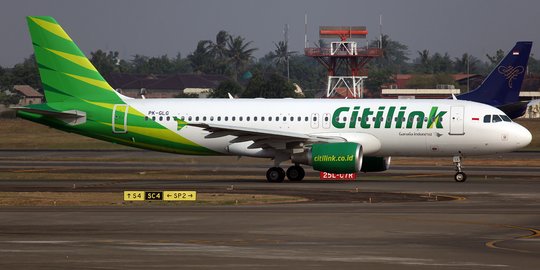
(468, 73)
(286, 37)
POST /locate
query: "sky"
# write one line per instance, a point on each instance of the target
(159, 27)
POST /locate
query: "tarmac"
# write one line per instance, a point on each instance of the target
(410, 217)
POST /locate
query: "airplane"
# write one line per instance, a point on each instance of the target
(502, 86)
(331, 135)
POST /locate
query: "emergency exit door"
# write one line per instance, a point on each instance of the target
(456, 121)
(119, 118)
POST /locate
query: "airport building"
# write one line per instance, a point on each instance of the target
(164, 86)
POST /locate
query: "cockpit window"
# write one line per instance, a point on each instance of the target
(487, 119)
(505, 118)
(496, 119)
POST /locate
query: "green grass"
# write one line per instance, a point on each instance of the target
(22, 134)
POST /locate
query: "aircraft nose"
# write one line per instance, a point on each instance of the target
(522, 136)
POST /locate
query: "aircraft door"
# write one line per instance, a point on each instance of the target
(314, 120)
(326, 120)
(119, 118)
(456, 121)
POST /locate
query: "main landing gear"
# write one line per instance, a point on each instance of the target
(277, 174)
(460, 176)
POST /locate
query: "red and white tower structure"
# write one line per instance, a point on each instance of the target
(344, 60)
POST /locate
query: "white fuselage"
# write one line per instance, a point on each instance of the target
(382, 131)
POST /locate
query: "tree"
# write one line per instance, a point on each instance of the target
(255, 86)
(25, 73)
(181, 65)
(225, 88)
(441, 63)
(308, 73)
(423, 62)
(428, 81)
(218, 51)
(202, 60)
(495, 59)
(376, 79)
(105, 63)
(460, 64)
(9, 99)
(239, 54)
(394, 55)
(276, 86)
(534, 65)
(281, 55)
(219, 48)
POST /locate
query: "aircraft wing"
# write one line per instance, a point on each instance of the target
(264, 138)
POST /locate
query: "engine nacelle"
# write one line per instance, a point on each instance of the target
(375, 164)
(343, 157)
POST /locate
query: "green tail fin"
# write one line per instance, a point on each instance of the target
(66, 73)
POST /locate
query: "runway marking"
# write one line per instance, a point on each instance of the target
(535, 233)
(420, 175)
(36, 170)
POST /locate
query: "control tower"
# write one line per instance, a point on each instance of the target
(344, 60)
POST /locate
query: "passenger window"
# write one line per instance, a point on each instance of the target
(284, 118)
(326, 119)
(211, 118)
(496, 119)
(487, 118)
(262, 118)
(314, 119)
(240, 118)
(255, 118)
(161, 118)
(505, 118)
(168, 118)
(270, 119)
(154, 118)
(181, 118)
(247, 118)
(277, 118)
(197, 118)
(299, 118)
(292, 119)
(219, 118)
(226, 118)
(307, 119)
(234, 118)
(204, 118)
(146, 118)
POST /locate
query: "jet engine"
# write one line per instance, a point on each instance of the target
(343, 157)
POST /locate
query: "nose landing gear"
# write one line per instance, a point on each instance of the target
(460, 176)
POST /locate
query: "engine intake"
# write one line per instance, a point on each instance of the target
(343, 157)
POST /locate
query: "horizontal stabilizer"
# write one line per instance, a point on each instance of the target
(72, 117)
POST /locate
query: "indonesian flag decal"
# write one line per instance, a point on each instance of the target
(476, 119)
(516, 52)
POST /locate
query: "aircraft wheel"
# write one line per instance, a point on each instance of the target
(275, 175)
(296, 173)
(460, 177)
